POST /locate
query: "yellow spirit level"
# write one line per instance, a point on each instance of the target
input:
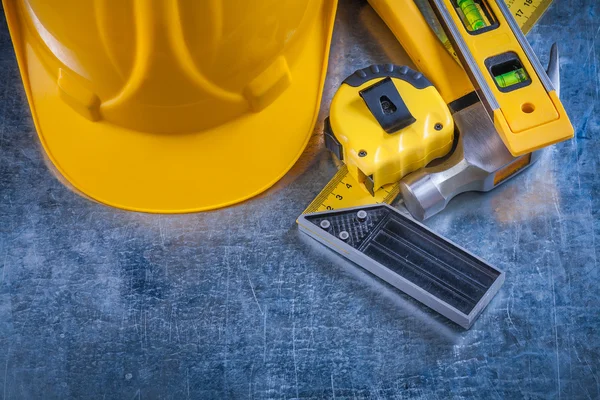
(509, 78)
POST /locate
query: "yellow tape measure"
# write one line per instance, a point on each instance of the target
(343, 191)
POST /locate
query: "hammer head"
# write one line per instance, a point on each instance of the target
(479, 161)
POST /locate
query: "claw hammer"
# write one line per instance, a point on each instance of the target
(479, 161)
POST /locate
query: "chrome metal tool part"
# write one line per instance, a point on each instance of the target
(409, 256)
(480, 161)
(553, 70)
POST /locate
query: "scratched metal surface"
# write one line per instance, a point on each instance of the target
(98, 303)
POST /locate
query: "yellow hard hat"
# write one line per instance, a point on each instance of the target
(172, 106)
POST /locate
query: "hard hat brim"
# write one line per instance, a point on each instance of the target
(177, 173)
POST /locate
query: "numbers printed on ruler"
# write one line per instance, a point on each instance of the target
(527, 12)
(347, 193)
(333, 198)
(524, 8)
(343, 192)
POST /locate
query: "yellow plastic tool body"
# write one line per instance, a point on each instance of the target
(528, 116)
(374, 156)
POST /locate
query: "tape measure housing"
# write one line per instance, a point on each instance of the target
(385, 122)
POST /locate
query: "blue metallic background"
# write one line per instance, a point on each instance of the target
(98, 303)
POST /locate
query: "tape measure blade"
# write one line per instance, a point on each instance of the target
(327, 190)
(343, 191)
